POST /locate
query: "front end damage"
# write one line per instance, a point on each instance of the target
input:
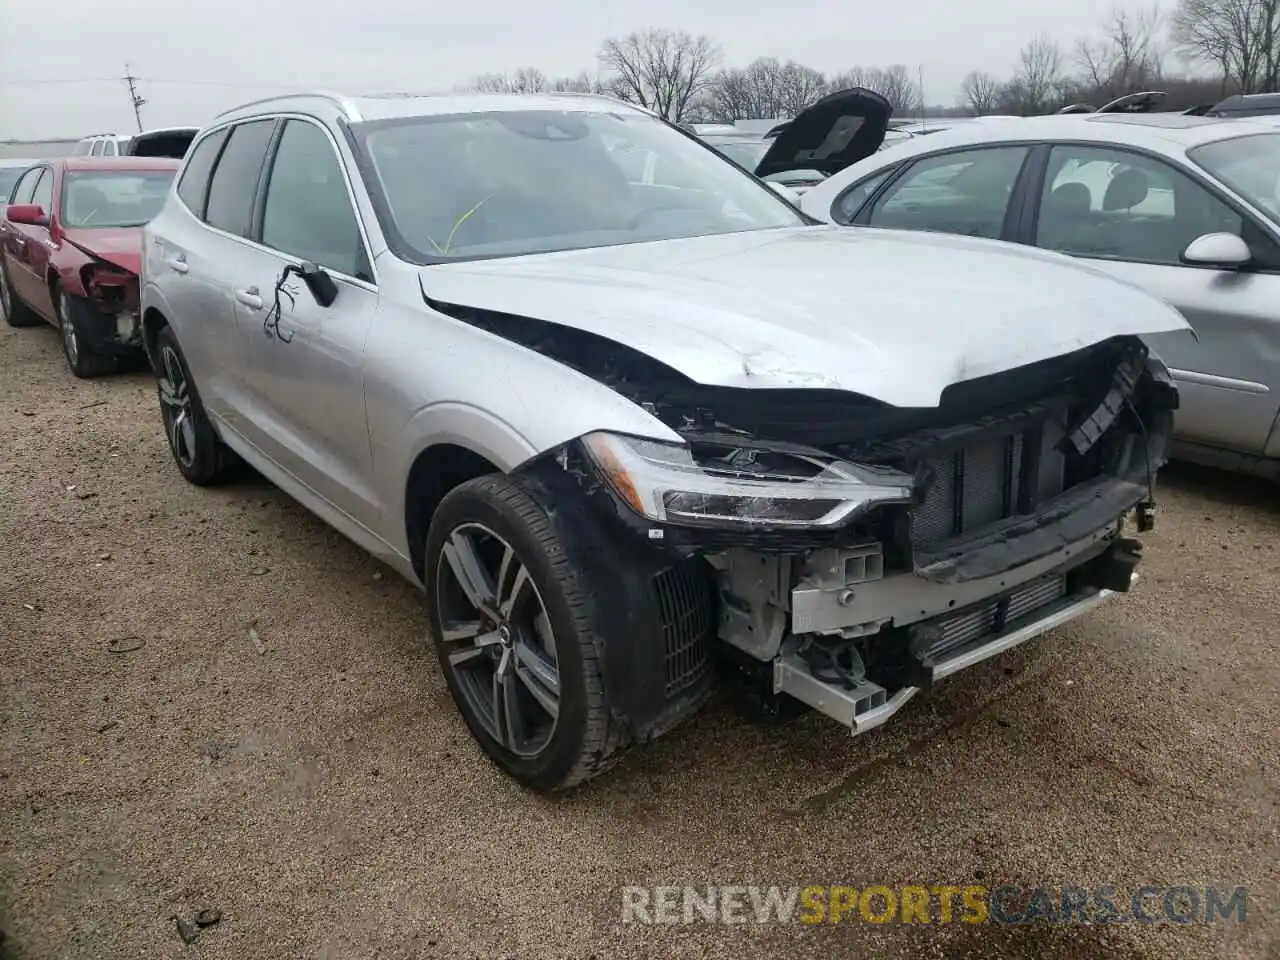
(852, 553)
(107, 305)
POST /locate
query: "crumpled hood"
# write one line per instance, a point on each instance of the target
(120, 246)
(894, 315)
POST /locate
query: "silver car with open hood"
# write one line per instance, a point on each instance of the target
(633, 435)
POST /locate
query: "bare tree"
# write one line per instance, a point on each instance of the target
(894, 83)
(582, 83)
(663, 70)
(1037, 79)
(980, 92)
(524, 80)
(798, 87)
(1127, 58)
(1240, 37)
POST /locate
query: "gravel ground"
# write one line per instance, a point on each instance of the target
(322, 793)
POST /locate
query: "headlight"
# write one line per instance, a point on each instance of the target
(740, 487)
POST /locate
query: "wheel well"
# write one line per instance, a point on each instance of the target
(435, 471)
(153, 321)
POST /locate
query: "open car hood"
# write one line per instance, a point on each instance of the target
(840, 129)
(816, 307)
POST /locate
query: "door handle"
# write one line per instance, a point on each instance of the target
(177, 264)
(250, 298)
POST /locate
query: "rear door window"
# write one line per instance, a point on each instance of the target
(235, 181)
(965, 192)
(43, 195)
(25, 187)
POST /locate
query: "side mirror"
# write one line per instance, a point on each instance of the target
(318, 280)
(785, 192)
(1223, 250)
(31, 214)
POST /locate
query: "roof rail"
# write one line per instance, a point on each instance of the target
(339, 100)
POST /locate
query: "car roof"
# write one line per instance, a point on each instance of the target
(86, 164)
(392, 106)
(159, 130)
(1174, 132)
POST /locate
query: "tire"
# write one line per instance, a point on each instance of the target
(77, 341)
(16, 313)
(201, 457)
(489, 515)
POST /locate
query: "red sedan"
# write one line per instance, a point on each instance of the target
(71, 251)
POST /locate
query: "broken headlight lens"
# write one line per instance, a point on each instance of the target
(742, 486)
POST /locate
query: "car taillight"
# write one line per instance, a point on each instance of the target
(107, 283)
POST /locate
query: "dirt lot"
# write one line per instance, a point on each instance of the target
(324, 796)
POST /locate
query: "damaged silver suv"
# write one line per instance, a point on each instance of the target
(634, 436)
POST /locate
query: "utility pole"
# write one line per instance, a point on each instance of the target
(136, 100)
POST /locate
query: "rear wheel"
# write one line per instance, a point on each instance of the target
(16, 313)
(201, 457)
(78, 343)
(514, 622)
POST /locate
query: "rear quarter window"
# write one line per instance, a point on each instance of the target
(193, 188)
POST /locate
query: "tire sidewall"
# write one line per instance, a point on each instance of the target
(204, 465)
(469, 503)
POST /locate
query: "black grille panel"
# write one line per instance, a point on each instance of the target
(684, 605)
(971, 488)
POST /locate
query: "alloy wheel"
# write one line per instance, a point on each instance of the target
(69, 339)
(498, 639)
(175, 406)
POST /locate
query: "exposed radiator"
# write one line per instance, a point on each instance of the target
(957, 631)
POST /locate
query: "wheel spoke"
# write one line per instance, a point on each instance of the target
(508, 720)
(539, 678)
(460, 553)
(467, 656)
(173, 373)
(518, 582)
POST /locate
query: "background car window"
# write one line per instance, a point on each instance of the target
(850, 202)
(96, 149)
(966, 192)
(109, 148)
(43, 195)
(1105, 202)
(193, 188)
(308, 211)
(125, 198)
(235, 180)
(26, 186)
(82, 148)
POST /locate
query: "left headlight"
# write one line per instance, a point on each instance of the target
(741, 487)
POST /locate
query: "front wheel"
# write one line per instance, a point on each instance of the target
(513, 620)
(78, 344)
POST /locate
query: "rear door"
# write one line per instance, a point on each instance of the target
(200, 245)
(304, 362)
(1133, 215)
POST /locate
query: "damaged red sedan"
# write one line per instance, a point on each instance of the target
(71, 249)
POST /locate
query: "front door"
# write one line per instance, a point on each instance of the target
(306, 361)
(1133, 215)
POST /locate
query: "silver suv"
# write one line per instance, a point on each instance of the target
(632, 436)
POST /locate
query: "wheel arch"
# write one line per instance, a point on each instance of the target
(435, 471)
(153, 321)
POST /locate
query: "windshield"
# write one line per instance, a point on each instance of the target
(745, 153)
(1249, 165)
(518, 182)
(8, 177)
(101, 198)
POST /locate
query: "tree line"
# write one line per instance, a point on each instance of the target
(1198, 52)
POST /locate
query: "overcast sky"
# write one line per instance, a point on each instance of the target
(197, 57)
